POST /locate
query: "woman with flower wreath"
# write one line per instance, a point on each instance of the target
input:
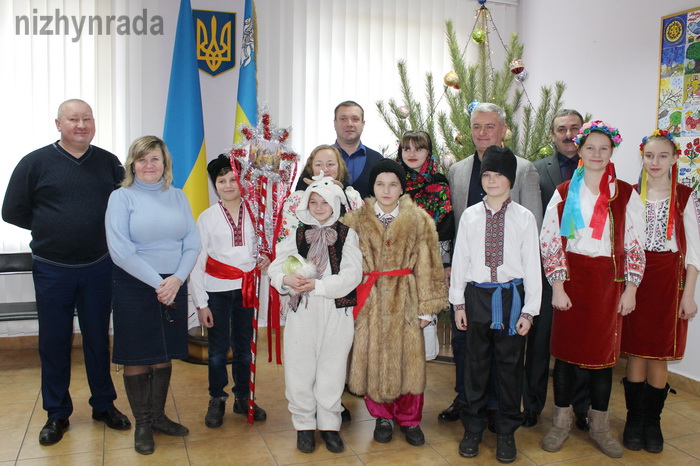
(592, 238)
(656, 331)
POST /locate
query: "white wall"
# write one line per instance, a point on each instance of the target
(607, 52)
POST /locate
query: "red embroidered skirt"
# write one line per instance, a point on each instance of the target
(588, 334)
(653, 330)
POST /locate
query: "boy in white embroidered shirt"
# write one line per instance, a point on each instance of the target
(496, 290)
(221, 289)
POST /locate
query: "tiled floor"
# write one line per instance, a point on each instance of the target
(273, 441)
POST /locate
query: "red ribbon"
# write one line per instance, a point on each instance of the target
(362, 291)
(600, 210)
(228, 272)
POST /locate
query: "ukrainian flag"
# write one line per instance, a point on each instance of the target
(184, 122)
(247, 105)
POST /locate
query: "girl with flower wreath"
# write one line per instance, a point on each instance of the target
(592, 249)
(656, 331)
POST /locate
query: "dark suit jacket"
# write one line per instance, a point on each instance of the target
(361, 184)
(550, 177)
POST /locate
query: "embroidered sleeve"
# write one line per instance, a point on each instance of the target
(553, 257)
(635, 237)
(290, 222)
(354, 198)
(691, 222)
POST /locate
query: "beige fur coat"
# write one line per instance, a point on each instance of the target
(388, 353)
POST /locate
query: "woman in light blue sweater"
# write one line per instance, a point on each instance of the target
(154, 244)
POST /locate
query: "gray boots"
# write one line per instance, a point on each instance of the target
(599, 431)
(599, 422)
(561, 425)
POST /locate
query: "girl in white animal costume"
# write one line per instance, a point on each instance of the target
(319, 326)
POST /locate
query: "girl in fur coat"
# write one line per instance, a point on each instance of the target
(405, 286)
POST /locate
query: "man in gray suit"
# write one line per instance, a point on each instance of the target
(553, 171)
(488, 125)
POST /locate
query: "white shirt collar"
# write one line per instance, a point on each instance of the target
(380, 213)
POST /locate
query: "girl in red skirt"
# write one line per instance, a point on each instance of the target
(656, 332)
(592, 248)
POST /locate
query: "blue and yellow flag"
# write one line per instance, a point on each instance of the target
(184, 122)
(247, 101)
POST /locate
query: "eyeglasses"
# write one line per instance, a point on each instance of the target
(172, 307)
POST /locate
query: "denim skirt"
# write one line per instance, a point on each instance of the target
(144, 333)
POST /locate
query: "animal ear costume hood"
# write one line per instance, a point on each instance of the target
(329, 189)
(501, 160)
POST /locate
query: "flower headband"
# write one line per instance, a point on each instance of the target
(601, 126)
(660, 133)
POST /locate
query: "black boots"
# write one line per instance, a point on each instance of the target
(633, 436)
(159, 394)
(138, 391)
(147, 393)
(654, 401)
(644, 406)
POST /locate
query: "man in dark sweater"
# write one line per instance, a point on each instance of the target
(60, 193)
(349, 121)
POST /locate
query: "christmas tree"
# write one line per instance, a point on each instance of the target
(466, 86)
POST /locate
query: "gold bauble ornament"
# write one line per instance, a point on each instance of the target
(451, 79)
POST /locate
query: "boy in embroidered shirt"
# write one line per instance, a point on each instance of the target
(225, 265)
(319, 331)
(496, 290)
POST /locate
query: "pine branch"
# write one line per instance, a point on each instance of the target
(478, 81)
(388, 115)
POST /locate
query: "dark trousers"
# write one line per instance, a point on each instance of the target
(537, 359)
(483, 347)
(60, 291)
(233, 328)
(599, 385)
(459, 354)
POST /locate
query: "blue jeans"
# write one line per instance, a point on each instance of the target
(60, 291)
(233, 328)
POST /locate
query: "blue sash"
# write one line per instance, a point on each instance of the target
(497, 304)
